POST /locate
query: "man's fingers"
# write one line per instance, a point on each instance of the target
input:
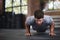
(52, 34)
(28, 34)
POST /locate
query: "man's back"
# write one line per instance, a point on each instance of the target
(47, 20)
(31, 19)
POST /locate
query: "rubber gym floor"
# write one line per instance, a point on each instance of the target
(19, 34)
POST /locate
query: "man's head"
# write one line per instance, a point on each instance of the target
(39, 15)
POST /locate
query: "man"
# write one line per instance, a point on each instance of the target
(40, 23)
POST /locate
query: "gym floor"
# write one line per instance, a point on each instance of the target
(19, 34)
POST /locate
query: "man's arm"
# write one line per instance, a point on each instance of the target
(52, 33)
(27, 30)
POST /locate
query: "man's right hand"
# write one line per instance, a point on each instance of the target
(28, 34)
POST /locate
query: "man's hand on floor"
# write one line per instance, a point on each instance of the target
(52, 34)
(28, 34)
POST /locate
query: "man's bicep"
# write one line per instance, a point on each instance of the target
(28, 21)
(50, 20)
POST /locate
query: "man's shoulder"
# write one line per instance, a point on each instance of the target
(48, 19)
(47, 16)
(30, 17)
(30, 20)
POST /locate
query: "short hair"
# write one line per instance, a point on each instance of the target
(38, 14)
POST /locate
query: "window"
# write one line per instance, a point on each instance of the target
(53, 5)
(17, 6)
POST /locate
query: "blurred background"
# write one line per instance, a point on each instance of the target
(14, 12)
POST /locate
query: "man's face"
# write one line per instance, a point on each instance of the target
(39, 21)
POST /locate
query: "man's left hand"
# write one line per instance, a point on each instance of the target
(52, 34)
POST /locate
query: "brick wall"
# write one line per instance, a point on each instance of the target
(1, 7)
(32, 6)
(52, 13)
(35, 4)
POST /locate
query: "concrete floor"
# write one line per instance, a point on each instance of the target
(19, 34)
